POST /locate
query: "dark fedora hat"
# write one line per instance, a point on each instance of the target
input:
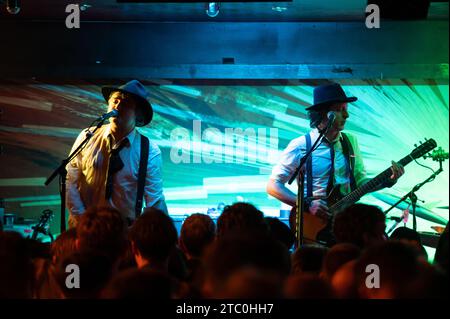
(135, 89)
(328, 94)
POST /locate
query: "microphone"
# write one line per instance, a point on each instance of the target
(113, 113)
(331, 117)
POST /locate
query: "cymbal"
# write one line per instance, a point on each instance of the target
(438, 229)
(421, 211)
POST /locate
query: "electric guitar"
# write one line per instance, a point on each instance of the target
(316, 229)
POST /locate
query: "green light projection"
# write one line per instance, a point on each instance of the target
(219, 142)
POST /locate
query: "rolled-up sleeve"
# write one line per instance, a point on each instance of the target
(153, 191)
(289, 160)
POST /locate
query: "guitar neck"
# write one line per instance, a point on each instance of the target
(368, 187)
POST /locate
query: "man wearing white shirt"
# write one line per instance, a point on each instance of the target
(105, 172)
(329, 165)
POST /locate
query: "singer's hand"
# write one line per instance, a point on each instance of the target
(397, 170)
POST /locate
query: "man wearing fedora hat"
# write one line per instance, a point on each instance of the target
(336, 161)
(118, 167)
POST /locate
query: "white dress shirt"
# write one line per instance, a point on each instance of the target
(86, 174)
(321, 164)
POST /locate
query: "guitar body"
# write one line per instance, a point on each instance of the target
(316, 229)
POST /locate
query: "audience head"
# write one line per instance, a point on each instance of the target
(280, 231)
(102, 229)
(177, 264)
(252, 283)
(241, 218)
(308, 259)
(83, 274)
(153, 236)
(405, 233)
(337, 256)
(139, 284)
(432, 282)
(197, 232)
(344, 281)
(63, 245)
(307, 286)
(389, 266)
(360, 224)
(231, 253)
(442, 252)
(411, 237)
(16, 268)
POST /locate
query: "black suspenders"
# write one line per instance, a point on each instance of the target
(142, 173)
(308, 168)
(347, 149)
(349, 154)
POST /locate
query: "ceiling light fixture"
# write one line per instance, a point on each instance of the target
(13, 6)
(212, 9)
(84, 6)
(279, 8)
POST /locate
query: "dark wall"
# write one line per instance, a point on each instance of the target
(403, 49)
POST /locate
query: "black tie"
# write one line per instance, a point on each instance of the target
(115, 165)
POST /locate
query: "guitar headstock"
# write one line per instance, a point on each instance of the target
(43, 223)
(423, 148)
(45, 218)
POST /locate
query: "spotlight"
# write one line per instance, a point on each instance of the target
(84, 7)
(13, 6)
(279, 8)
(212, 9)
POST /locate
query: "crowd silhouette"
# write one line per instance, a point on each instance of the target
(242, 255)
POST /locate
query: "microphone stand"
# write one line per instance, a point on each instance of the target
(62, 172)
(397, 221)
(413, 197)
(300, 172)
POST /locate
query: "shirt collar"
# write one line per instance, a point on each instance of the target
(315, 135)
(131, 136)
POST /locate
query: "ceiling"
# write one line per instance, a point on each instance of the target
(295, 10)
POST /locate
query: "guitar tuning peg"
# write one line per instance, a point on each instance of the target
(415, 145)
(420, 142)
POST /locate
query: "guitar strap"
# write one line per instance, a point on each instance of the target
(349, 155)
(142, 173)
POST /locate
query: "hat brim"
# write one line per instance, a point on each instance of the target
(330, 102)
(143, 104)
